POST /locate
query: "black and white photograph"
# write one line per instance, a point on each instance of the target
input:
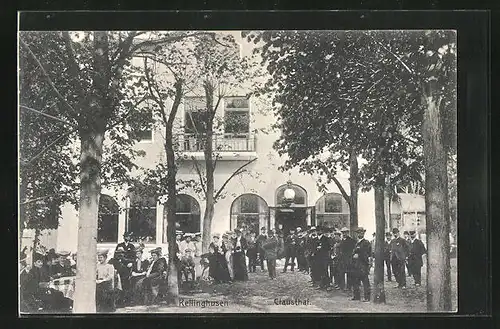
(237, 171)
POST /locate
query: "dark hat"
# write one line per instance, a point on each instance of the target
(263, 228)
(374, 233)
(156, 250)
(119, 250)
(387, 233)
(270, 232)
(406, 232)
(128, 234)
(412, 232)
(360, 230)
(237, 230)
(395, 230)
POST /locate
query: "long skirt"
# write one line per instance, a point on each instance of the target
(105, 299)
(230, 262)
(219, 269)
(240, 267)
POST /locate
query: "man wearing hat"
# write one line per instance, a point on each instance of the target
(128, 247)
(151, 283)
(347, 245)
(123, 267)
(361, 257)
(415, 263)
(260, 251)
(270, 246)
(399, 253)
(290, 250)
(322, 256)
(406, 236)
(337, 239)
(301, 249)
(313, 260)
(187, 243)
(63, 266)
(387, 255)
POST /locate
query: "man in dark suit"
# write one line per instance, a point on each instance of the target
(415, 263)
(346, 247)
(361, 260)
(270, 246)
(260, 251)
(387, 255)
(399, 253)
(322, 257)
(240, 247)
(128, 247)
(301, 258)
(406, 236)
(290, 250)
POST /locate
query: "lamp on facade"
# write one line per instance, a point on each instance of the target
(289, 193)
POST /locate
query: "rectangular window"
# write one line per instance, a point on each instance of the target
(237, 117)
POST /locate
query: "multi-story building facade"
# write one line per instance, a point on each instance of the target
(254, 199)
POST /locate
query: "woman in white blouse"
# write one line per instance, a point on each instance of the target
(105, 301)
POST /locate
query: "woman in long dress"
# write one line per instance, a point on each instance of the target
(218, 268)
(228, 246)
(105, 301)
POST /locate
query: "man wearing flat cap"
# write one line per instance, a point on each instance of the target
(347, 245)
(361, 260)
(399, 254)
(415, 263)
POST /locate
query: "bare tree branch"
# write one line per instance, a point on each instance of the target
(47, 115)
(337, 182)
(235, 173)
(25, 45)
(202, 182)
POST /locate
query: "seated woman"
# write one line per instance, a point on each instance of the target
(187, 265)
(105, 297)
(148, 287)
(139, 269)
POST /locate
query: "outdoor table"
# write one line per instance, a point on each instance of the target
(66, 285)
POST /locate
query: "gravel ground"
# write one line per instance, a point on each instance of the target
(261, 295)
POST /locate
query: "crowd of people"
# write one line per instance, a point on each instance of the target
(334, 259)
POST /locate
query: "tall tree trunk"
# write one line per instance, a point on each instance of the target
(354, 187)
(378, 280)
(210, 168)
(172, 284)
(436, 204)
(90, 190)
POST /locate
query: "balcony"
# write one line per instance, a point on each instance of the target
(228, 146)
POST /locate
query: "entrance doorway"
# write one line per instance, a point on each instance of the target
(291, 218)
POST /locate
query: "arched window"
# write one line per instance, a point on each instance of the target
(107, 220)
(332, 210)
(187, 214)
(300, 194)
(249, 211)
(141, 218)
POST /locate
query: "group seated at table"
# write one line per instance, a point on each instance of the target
(37, 290)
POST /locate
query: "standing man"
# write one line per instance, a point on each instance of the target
(347, 245)
(322, 257)
(300, 250)
(260, 251)
(290, 250)
(387, 255)
(406, 236)
(252, 252)
(270, 246)
(372, 243)
(361, 260)
(415, 263)
(127, 246)
(335, 259)
(310, 248)
(399, 253)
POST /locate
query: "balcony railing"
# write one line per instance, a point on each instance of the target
(221, 143)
